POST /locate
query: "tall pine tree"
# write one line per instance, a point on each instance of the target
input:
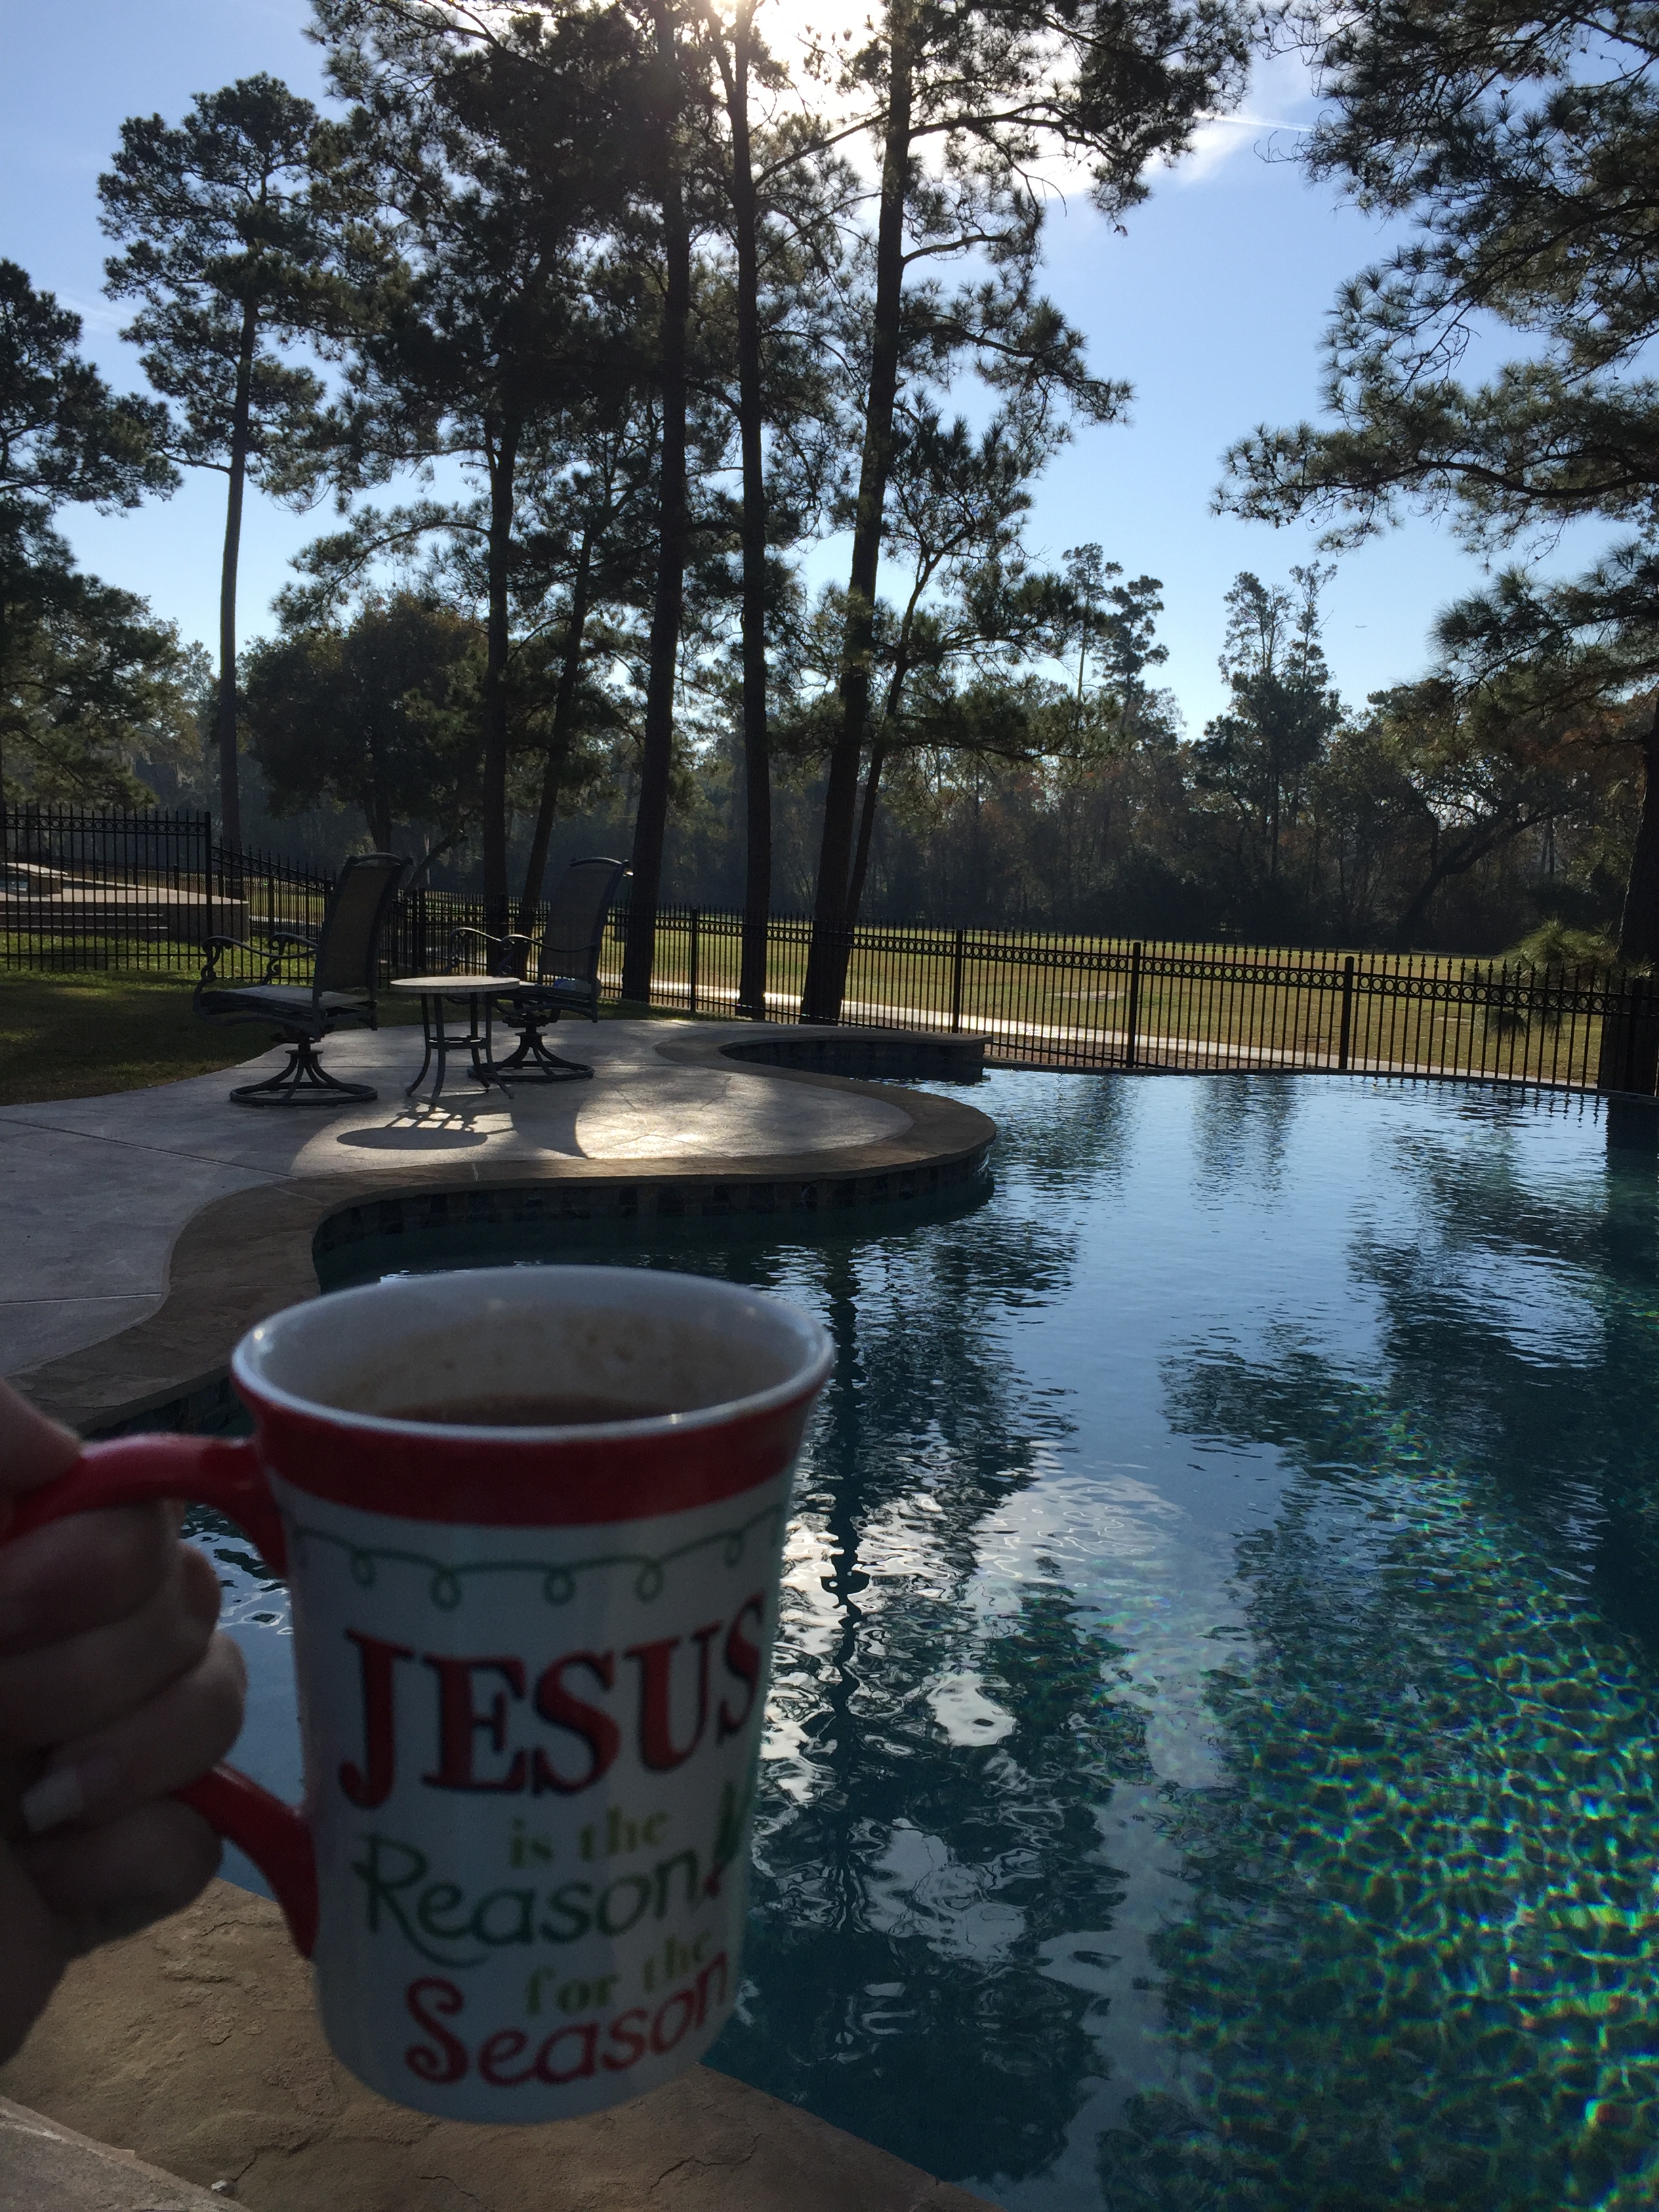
(961, 103)
(230, 230)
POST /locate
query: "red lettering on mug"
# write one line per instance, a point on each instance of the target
(626, 2039)
(656, 1663)
(591, 1727)
(501, 2049)
(588, 2039)
(742, 1662)
(460, 1723)
(661, 2041)
(572, 2052)
(448, 2062)
(370, 1785)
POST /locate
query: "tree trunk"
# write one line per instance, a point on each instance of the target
(378, 809)
(1456, 858)
(1638, 925)
(230, 798)
(878, 752)
(558, 748)
(756, 763)
(866, 828)
(650, 821)
(5, 671)
(503, 462)
(826, 963)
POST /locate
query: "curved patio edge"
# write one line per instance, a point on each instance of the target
(250, 1253)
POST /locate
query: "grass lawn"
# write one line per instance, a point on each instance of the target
(82, 1033)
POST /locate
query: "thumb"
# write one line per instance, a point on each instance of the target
(32, 1450)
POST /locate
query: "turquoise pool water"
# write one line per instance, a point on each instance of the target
(1214, 1752)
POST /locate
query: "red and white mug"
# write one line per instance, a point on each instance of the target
(532, 1663)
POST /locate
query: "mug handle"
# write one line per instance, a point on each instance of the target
(225, 1474)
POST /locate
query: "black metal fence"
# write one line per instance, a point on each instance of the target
(1049, 1000)
(81, 889)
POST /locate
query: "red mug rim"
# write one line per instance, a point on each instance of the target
(569, 1474)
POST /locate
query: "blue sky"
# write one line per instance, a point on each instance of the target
(1211, 307)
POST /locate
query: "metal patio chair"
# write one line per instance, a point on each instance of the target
(567, 977)
(344, 955)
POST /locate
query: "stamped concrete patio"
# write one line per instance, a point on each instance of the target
(144, 1232)
(147, 1229)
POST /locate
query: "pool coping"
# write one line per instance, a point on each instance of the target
(249, 1253)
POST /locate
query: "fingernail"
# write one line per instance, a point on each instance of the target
(67, 1792)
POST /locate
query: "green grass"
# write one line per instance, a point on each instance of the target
(82, 1033)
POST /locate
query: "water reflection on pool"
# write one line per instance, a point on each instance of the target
(1213, 1754)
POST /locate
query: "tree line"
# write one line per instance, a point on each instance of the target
(645, 309)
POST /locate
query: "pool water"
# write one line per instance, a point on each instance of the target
(1213, 1759)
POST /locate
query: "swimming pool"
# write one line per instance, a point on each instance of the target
(1213, 1760)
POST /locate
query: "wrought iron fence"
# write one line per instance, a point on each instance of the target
(84, 889)
(1049, 1000)
(81, 889)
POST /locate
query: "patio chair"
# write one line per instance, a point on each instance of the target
(344, 955)
(567, 977)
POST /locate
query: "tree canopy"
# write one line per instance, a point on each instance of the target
(1519, 140)
(86, 679)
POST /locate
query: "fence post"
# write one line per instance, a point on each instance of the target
(1630, 1037)
(1347, 1014)
(691, 964)
(957, 958)
(1134, 1004)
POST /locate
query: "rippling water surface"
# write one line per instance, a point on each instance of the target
(1213, 1758)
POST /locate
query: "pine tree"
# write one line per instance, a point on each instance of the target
(230, 232)
(962, 101)
(787, 195)
(664, 113)
(1256, 757)
(496, 172)
(1522, 140)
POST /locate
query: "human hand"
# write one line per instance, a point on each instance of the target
(114, 1690)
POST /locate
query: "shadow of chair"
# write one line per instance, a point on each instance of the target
(340, 995)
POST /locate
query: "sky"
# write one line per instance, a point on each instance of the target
(1212, 307)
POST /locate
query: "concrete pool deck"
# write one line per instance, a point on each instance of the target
(146, 1230)
(196, 2047)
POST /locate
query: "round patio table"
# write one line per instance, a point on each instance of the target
(440, 1040)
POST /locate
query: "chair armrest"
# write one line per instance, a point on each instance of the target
(216, 944)
(496, 940)
(285, 944)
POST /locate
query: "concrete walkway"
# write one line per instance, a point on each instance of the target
(145, 1231)
(47, 2167)
(196, 2046)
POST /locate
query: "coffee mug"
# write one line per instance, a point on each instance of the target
(532, 1520)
